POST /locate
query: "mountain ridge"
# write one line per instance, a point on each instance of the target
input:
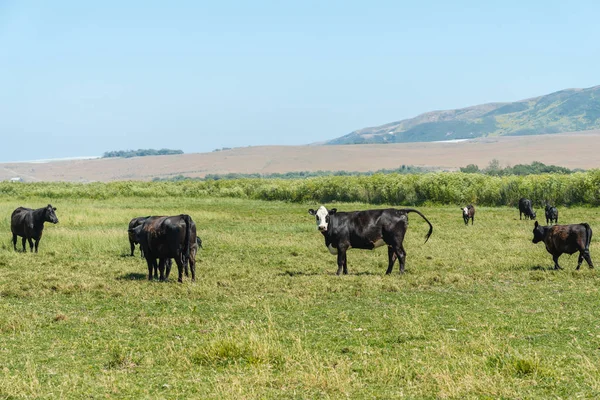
(566, 110)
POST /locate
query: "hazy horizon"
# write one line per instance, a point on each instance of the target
(85, 78)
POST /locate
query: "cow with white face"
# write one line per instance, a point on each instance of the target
(468, 212)
(365, 230)
(322, 215)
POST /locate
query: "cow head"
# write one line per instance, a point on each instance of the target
(322, 216)
(538, 233)
(465, 211)
(136, 233)
(533, 214)
(50, 216)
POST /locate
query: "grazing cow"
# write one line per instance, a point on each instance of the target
(365, 230)
(468, 212)
(132, 242)
(551, 214)
(525, 208)
(165, 238)
(568, 239)
(29, 224)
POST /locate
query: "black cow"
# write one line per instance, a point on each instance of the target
(132, 242)
(551, 214)
(365, 230)
(468, 212)
(568, 239)
(168, 237)
(29, 224)
(526, 208)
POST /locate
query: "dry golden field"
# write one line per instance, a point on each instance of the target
(572, 150)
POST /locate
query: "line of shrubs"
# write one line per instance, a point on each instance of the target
(580, 188)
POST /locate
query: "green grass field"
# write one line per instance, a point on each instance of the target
(479, 313)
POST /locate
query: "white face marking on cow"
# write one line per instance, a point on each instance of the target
(465, 211)
(378, 243)
(323, 220)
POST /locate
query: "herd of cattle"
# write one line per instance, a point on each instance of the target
(164, 238)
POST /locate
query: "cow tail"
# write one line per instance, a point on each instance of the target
(409, 210)
(186, 246)
(588, 234)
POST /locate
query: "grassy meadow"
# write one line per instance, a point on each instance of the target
(478, 314)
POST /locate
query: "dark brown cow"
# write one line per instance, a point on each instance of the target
(468, 212)
(168, 237)
(568, 239)
(29, 224)
(365, 230)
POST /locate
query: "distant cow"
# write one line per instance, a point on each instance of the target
(132, 242)
(568, 239)
(526, 208)
(365, 230)
(551, 214)
(468, 212)
(168, 237)
(29, 224)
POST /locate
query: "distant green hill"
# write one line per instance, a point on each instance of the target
(564, 111)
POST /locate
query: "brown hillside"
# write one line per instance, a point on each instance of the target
(572, 150)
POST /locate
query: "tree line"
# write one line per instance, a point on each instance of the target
(535, 168)
(140, 153)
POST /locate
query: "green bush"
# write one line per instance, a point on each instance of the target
(580, 188)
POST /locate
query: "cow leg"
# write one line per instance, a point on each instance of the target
(150, 267)
(37, 243)
(588, 259)
(341, 256)
(155, 269)
(24, 242)
(14, 240)
(401, 257)
(179, 269)
(161, 268)
(192, 262)
(168, 264)
(185, 265)
(132, 247)
(31, 245)
(579, 259)
(556, 266)
(391, 260)
(345, 263)
(472, 220)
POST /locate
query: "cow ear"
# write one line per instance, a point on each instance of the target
(536, 224)
(332, 211)
(54, 208)
(311, 211)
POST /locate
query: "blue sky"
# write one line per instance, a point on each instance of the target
(80, 78)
